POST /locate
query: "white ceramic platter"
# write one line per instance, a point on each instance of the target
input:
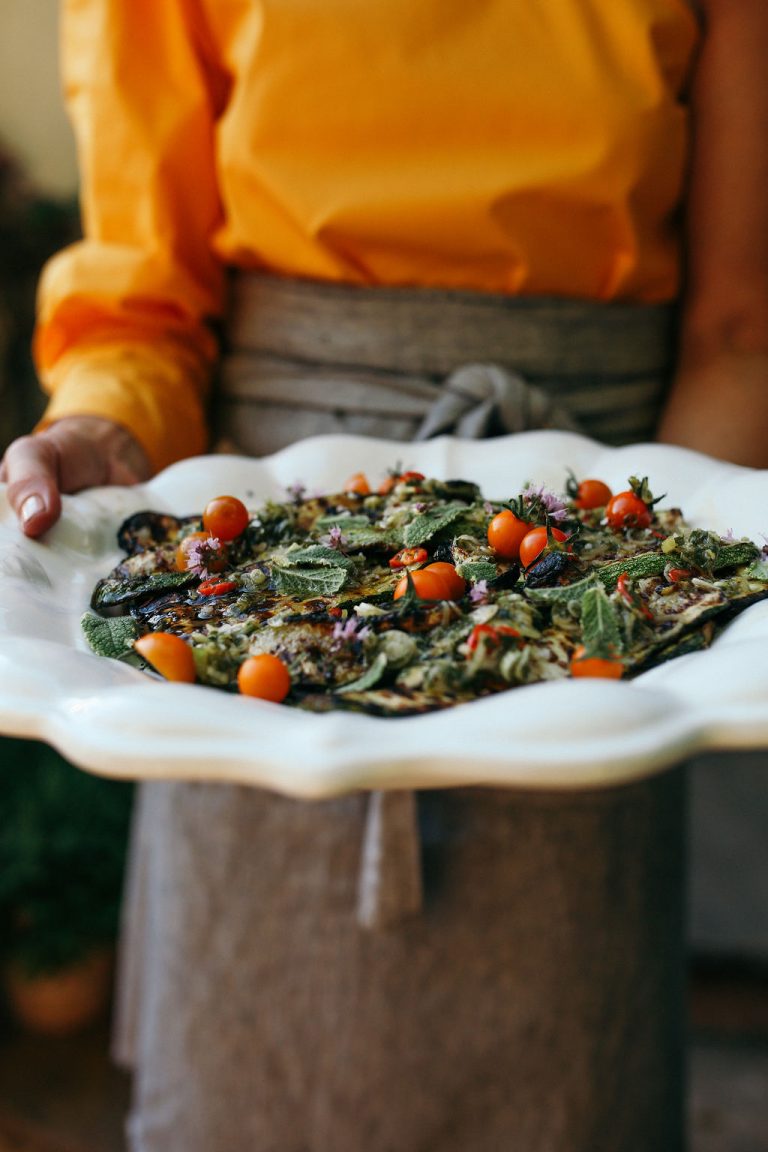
(115, 720)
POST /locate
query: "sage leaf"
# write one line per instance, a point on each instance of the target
(427, 524)
(309, 582)
(111, 636)
(599, 624)
(371, 676)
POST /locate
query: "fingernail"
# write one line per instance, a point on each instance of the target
(32, 506)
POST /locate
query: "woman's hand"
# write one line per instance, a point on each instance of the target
(74, 453)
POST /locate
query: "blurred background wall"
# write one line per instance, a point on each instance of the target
(33, 124)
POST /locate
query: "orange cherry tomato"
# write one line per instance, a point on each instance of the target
(535, 541)
(225, 517)
(592, 494)
(264, 676)
(407, 556)
(426, 585)
(455, 584)
(214, 563)
(599, 667)
(627, 510)
(358, 483)
(505, 533)
(168, 654)
(387, 485)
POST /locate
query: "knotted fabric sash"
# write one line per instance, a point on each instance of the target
(306, 358)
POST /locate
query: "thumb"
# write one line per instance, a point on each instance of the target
(31, 470)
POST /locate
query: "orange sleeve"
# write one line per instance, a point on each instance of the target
(124, 316)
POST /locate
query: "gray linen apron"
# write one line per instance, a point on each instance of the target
(354, 975)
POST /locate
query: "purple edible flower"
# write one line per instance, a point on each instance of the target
(348, 631)
(478, 592)
(200, 553)
(335, 539)
(552, 504)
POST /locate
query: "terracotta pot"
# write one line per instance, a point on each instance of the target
(64, 1002)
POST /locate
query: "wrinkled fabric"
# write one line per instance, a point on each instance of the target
(526, 149)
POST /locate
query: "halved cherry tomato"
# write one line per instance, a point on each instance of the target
(599, 667)
(264, 676)
(358, 483)
(626, 510)
(225, 517)
(456, 584)
(505, 532)
(168, 654)
(592, 494)
(216, 587)
(407, 556)
(426, 585)
(410, 478)
(535, 541)
(675, 575)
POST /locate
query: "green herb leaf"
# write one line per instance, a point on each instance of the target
(111, 636)
(758, 570)
(599, 624)
(111, 591)
(427, 524)
(474, 570)
(370, 677)
(317, 554)
(309, 582)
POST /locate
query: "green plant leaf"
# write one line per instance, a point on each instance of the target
(111, 636)
(309, 581)
(599, 624)
(370, 677)
(427, 524)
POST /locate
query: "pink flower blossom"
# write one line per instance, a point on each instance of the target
(348, 631)
(200, 553)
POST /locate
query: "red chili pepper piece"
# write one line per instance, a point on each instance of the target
(477, 634)
(630, 597)
(676, 574)
(217, 587)
(407, 556)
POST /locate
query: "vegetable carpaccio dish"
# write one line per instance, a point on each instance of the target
(418, 593)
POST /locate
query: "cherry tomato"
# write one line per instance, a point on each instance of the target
(387, 485)
(599, 667)
(168, 654)
(505, 532)
(264, 676)
(626, 510)
(408, 556)
(214, 562)
(358, 483)
(455, 584)
(225, 517)
(427, 585)
(216, 587)
(535, 541)
(592, 494)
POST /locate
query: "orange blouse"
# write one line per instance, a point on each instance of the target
(500, 145)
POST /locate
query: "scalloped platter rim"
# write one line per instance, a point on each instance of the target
(114, 720)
